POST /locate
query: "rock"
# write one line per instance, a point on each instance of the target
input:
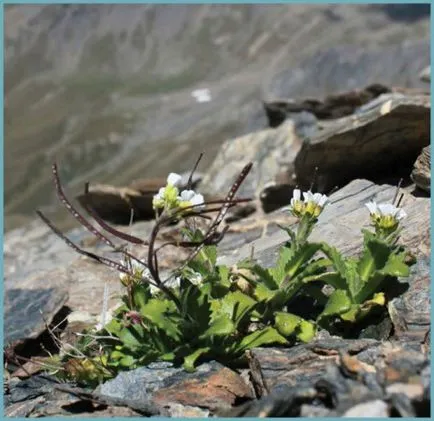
(374, 408)
(211, 387)
(305, 364)
(339, 377)
(115, 204)
(31, 307)
(421, 173)
(332, 107)
(411, 311)
(23, 409)
(270, 150)
(383, 138)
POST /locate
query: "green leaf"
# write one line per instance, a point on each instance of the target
(300, 257)
(396, 266)
(286, 323)
(236, 305)
(130, 338)
(374, 257)
(354, 283)
(141, 295)
(262, 293)
(289, 324)
(265, 277)
(352, 314)
(335, 256)
(163, 314)
(306, 331)
(333, 279)
(221, 326)
(266, 336)
(339, 302)
(278, 273)
(127, 361)
(190, 360)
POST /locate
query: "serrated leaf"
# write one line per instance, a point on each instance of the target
(262, 293)
(221, 326)
(396, 266)
(339, 302)
(236, 305)
(197, 309)
(300, 257)
(278, 272)
(191, 359)
(374, 257)
(265, 277)
(163, 314)
(353, 281)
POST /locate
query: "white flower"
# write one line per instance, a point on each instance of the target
(191, 198)
(198, 201)
(317, 198)
(386, 209)
(174, 179)
(385, 216)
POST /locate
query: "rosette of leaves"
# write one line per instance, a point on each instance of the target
(360, 282)
(212, 321)
(295, 272)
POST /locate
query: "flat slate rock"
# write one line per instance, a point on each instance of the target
(165, 389)
(32, 304)
(331, 107)
(381, 138)
(384, 137)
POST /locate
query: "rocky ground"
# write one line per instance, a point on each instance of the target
(362, 143)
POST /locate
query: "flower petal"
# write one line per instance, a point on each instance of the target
(372, 207)
(174, 179)
(187, 195)
(323, 200)
(387, 209)
(308, 196)
(296, 195)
